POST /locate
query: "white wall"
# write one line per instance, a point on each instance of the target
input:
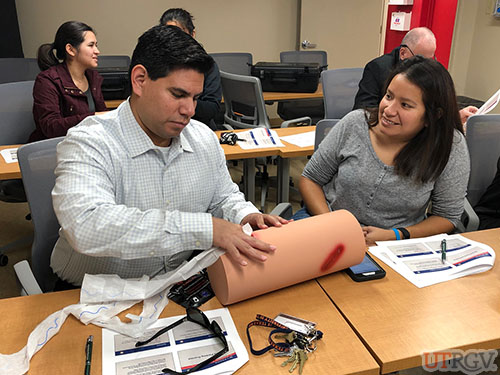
(263, 27)
(475, 58)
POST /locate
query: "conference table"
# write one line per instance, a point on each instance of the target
(339, 351)
(380, 326)
(283, 153)
(12, 171)
(398, 321)
(9, 170)
(268, 97)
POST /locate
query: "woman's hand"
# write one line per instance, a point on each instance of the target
(373, 234)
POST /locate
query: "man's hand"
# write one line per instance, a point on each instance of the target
(263, 221)
(230, 237)
(467, 112)
(373, 234)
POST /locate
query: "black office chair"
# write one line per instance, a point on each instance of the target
(18, 69)
(245, 108)
(16, 125)
(37, 161)
(234, 62)
(113, 61)
(339, 90)
(483, 142)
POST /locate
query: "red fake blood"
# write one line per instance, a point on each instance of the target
(332, 258)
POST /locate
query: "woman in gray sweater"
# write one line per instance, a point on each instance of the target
(387, 165)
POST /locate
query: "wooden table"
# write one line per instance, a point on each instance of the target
(284, 154)
(268, 97)
(398, 321)
(339, 352)
(9, 170)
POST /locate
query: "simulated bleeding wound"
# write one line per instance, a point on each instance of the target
(332, 258)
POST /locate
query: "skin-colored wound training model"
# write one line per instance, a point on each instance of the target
(306, 249)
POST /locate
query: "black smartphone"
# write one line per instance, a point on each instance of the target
(368, 269)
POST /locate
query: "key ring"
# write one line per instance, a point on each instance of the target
(229, 138)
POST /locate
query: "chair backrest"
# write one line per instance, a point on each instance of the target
(114, 61)
(483, 141)
(18, 69)
(339, 90)
(243, 100)
(319, 57)
(16, 112)
(37, 162)
(322, 129)
(234, 62)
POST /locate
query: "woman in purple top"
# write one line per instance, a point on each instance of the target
(68, 89)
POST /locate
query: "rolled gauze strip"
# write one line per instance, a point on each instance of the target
(306, 249)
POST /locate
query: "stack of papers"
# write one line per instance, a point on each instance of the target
(420, 262)
(178, 349)
(259, 138)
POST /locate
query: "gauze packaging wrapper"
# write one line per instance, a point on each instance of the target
(306, 249)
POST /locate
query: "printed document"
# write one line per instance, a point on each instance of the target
(9, 155)
(420, 260)
(259, 138)
(179, 349)
(489, 104)
(301, 140)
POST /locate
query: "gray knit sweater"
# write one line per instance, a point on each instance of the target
(354, 178)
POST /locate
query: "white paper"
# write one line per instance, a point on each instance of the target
(419, 260)
(9, 155)
(259, 138)
(178, 349)
(301, 140)
(102, 297)
(489, 104)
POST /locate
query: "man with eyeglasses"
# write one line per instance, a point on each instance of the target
(417, 41)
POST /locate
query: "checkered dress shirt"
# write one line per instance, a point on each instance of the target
(131, 208)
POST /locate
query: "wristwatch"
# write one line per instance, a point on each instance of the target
(405, 232)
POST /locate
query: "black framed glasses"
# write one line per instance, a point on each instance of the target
(197, 316)
(409, 49)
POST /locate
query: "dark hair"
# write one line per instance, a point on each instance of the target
(163, 49)
(179, 15)
(427, 154)
(71, 32)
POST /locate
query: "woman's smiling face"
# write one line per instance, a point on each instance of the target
(401, 111)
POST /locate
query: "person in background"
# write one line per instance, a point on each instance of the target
(139, 188)
(67, 89)
(209, 103)
(386, 164)
(418, 41)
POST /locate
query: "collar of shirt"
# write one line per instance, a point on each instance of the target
(137, 141)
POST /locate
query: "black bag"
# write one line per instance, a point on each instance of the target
(115, 83)
(488, 207)
(287, 77)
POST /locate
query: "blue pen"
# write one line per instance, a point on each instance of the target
(443, 250)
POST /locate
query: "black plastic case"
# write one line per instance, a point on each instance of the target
(115, 84)
(287, 77)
